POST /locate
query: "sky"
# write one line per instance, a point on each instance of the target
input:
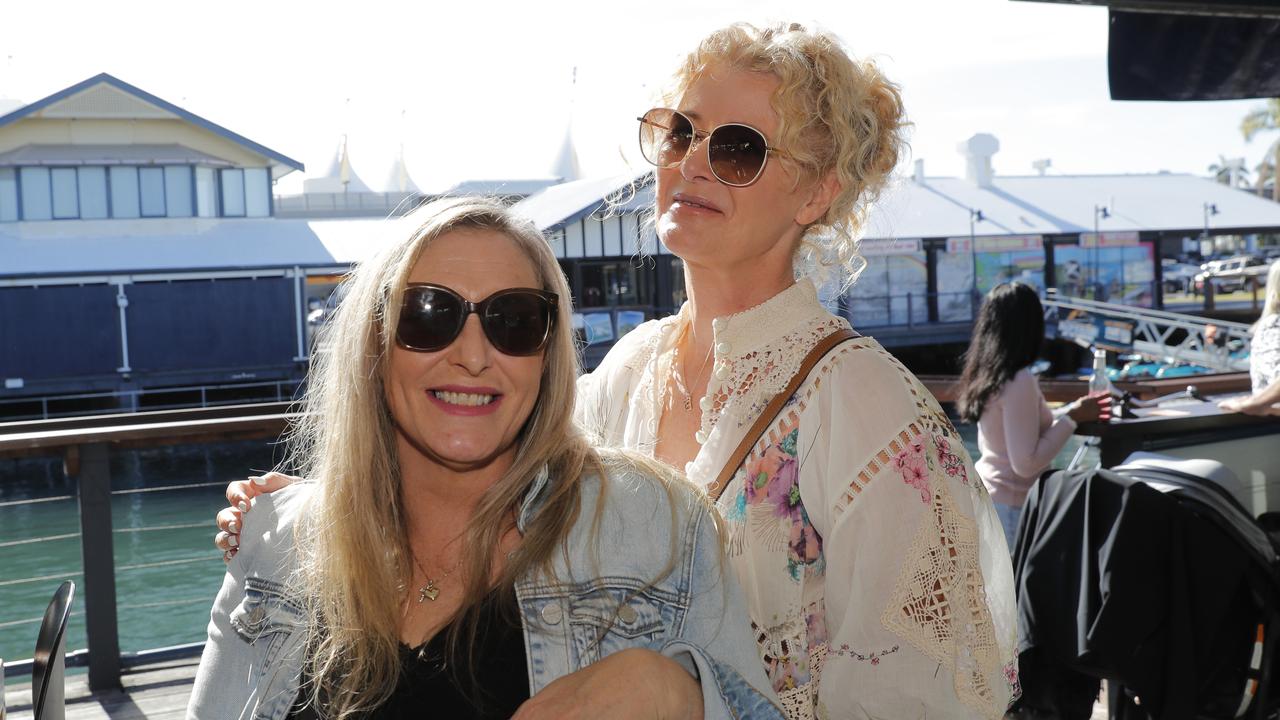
(490, 89)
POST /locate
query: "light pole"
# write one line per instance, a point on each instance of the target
(1209, 209)
(975, 216)
(1100, 212)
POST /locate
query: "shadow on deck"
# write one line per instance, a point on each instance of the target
(152, 691)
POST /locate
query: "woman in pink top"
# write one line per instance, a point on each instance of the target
(1018, 434)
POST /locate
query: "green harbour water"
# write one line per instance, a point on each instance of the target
(167, 569)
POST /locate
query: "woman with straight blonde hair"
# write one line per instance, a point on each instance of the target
(461, 551)
(876, 573)
(1264, 356)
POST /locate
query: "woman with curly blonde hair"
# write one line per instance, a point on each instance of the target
(876, 574)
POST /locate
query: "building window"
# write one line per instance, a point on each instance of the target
(178, 191)
(613, 283)
(36, 201)
(92, 189)
(66, 204)
(127, 192)
(257, 193)
(206, 193)
(124, 192)
(8, 195)
(232, 193)
(151, 188)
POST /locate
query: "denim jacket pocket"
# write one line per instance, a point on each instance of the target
(266, 618)
(615, 614)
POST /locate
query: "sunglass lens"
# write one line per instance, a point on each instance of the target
(665, 136)
(430, 318)
(517, 323)
(737, 154)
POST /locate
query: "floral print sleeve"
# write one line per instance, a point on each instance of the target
(918, 602)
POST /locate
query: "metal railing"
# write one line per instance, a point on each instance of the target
(1159, 334)
(148, 399)
(86, 444)
(346, 204)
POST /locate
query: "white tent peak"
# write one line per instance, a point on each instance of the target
(566, 165)
(399, 180)
(340, 177)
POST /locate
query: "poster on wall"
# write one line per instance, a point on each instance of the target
(628, 320)
(892, 290)
(1123, 274)
(1024, 266)
(955, 286)
(593, 327)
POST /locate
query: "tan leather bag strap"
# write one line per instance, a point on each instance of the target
(771, 410)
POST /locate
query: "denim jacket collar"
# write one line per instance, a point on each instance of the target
(533, 499)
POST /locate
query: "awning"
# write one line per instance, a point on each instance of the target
(108, 155)
(1192, 49)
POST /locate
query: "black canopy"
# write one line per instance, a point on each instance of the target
(1192, 49)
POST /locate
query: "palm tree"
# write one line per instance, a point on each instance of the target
(1265, 119)
(1230, 172)
(1266, 172)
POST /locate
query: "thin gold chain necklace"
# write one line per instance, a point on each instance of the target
(431, 589)
(680, 374)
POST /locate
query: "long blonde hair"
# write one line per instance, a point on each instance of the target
(353, 551)
(836, 113)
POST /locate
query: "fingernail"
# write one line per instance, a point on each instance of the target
(233, 541)
(233, 527)
(258, 479)
(244, 506)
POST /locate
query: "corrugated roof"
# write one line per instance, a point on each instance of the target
(1064, 204)
(108, 155)
(1030, 205)
(283, 164)
(110, 246)
(567, 202)
(516, 186)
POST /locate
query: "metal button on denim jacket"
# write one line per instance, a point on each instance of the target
(608, 594)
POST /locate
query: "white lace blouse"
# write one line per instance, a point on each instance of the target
(876, 573)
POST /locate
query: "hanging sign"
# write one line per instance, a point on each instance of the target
(995, 244)
(890, 246)
(1128, 238)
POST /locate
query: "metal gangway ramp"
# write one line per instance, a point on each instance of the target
(1171, 337)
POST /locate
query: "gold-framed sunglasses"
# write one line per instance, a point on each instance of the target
(736, 153)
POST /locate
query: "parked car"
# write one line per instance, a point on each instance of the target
(1231, 274)
(1178, 276)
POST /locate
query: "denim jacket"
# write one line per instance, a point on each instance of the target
(695, 614)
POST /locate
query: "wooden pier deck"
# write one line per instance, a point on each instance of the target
(153, 691)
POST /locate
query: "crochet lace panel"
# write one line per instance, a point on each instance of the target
(939, 603)
(755, 378)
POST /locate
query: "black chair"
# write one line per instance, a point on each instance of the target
(1153, 577)
(48, 666)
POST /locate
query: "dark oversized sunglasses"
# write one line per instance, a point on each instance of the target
(517, 321)
(737, 153)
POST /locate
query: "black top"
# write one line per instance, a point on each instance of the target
(431, 686)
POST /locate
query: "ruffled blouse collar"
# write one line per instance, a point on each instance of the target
(745, 332)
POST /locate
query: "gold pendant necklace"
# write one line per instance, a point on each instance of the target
(431, 589)
(680, 375)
